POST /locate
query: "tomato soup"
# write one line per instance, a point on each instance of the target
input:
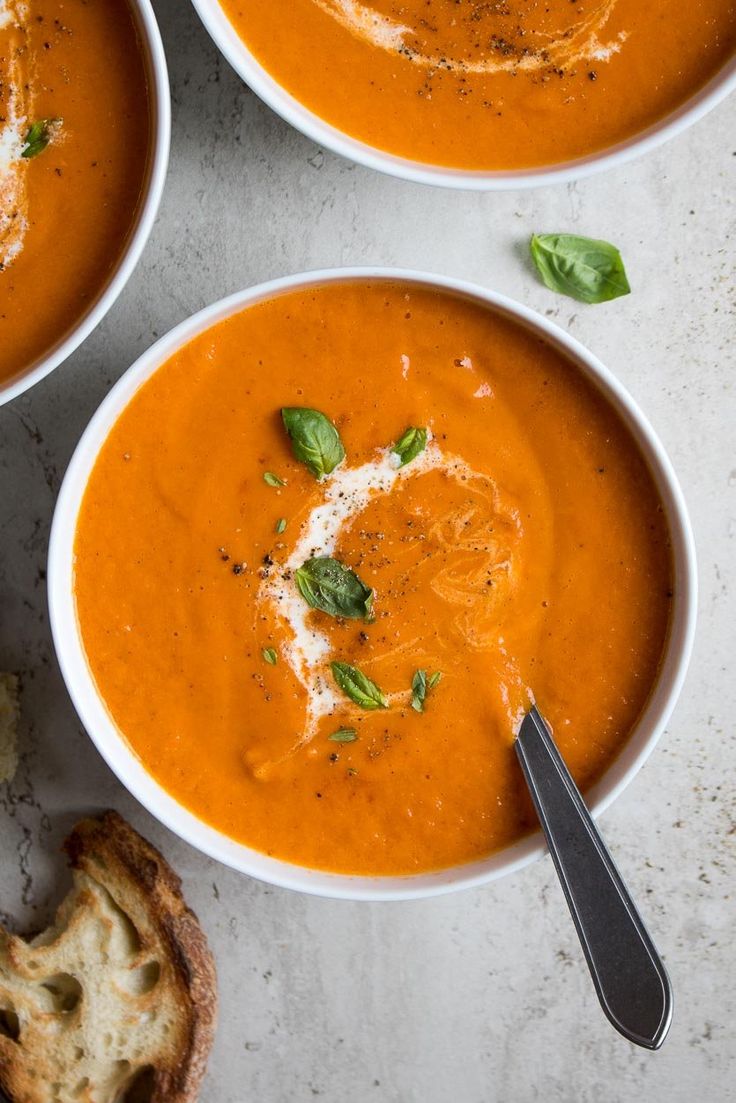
(477, 85)
(336, 545)
(74, 143)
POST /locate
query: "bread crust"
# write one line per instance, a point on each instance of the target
(107, 850)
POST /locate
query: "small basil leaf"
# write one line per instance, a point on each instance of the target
(270, 656)
(280, 525)
(358, 687)
(344, 735)
(419, 690)
(314, 439)
(581, 267)
(420, 687)
(328, 585)
(411, 444)
(38, 137)
(272, 480)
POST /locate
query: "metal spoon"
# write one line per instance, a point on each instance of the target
(629, 977)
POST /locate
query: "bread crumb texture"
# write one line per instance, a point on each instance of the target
(116, 1001)
(9, 716)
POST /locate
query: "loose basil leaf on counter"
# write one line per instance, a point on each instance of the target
(410, 445)
(328, 585)
(344, 735)
(581, 267)
(272, 480)
(420, 686)
(270, 656)
(358, 687)
(314, 439)
(38, 137)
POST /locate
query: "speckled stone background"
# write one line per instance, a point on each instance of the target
(480, 997)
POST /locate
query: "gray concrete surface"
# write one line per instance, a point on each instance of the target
(481, 997)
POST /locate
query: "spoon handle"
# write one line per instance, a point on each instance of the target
(629, 977)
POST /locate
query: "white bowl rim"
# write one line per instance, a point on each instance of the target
(153, 188)
(247, 66)
(133, 774)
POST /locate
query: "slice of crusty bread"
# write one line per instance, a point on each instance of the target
(9, 714)
(117, 999)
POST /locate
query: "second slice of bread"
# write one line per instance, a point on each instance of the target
(119, 994)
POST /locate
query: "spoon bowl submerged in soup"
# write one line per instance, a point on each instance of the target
(334, 546)
(471, 85)
(83, 141)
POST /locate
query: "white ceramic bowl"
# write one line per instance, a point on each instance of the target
(324, 134)
(161, 804)
(153, 186)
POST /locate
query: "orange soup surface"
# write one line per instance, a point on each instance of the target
(478, 85)
(520, 552)
(74, 142)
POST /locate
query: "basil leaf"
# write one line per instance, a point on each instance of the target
(344, 735)
(38, 137)
(270, 656)
(411, 444)
(328, 585)
(314, 439)
(280, 525)
(358, 687)
(581, 267)
(420, 687)
(419, 690)
(272, 480)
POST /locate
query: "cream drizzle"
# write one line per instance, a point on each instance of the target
(581, 41)
(16, 109)
(346, 494)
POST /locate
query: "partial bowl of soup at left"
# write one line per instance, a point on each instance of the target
(321, 547)
(84, 145)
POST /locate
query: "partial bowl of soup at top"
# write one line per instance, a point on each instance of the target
(320, 548)
(84, 143)
(476, 95)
